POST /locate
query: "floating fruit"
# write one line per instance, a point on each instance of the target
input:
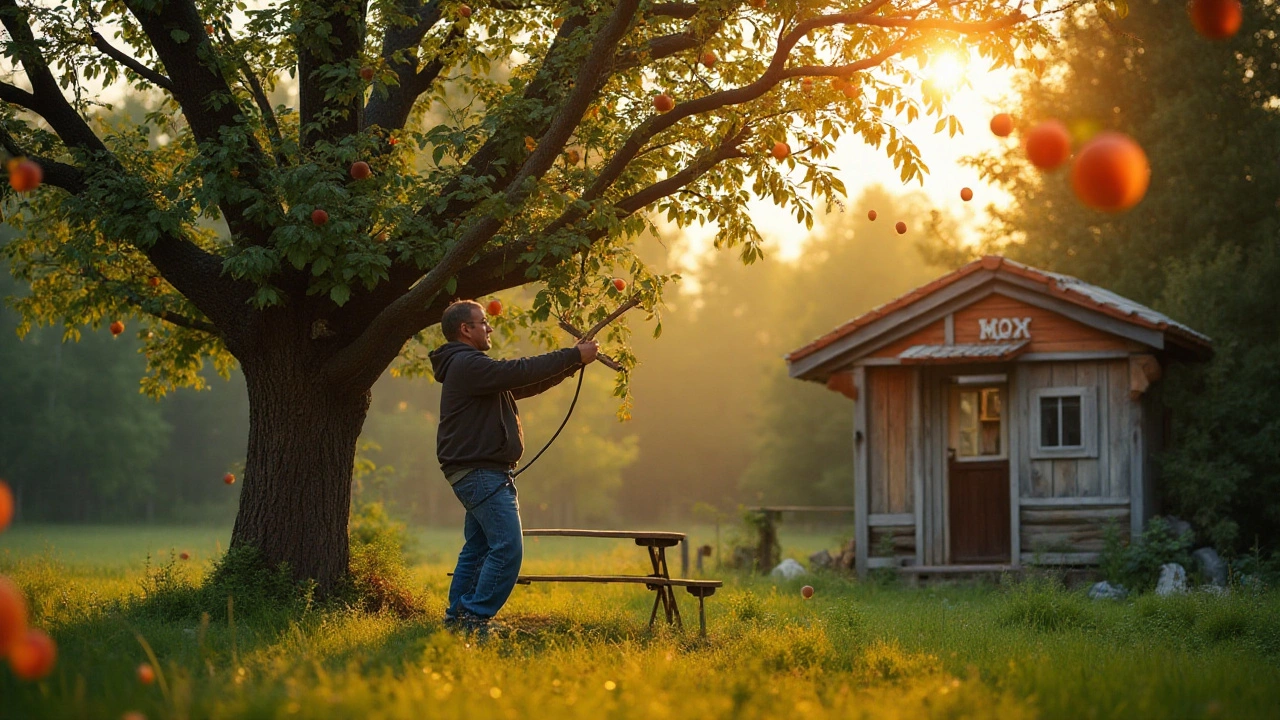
(1002, 124)
(1111, 173)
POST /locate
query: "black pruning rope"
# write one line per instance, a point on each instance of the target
(582, 373)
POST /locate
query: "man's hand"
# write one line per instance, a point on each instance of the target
(588, 349)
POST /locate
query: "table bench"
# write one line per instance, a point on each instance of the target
(660, 580)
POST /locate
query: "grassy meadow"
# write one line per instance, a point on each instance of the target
(869, 649)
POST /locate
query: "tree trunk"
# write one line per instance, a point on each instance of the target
(295, 502)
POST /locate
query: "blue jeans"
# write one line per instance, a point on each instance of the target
(490, 559)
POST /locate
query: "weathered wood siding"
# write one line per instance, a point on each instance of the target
(898, 540)
(1107, 475)
(891, 442)
(1070, 529)
(933, 500)
(934, 334)
(1050, 332)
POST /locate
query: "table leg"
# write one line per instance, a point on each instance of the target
(658, 556)
(654, 614)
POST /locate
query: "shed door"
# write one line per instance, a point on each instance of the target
(978, 475)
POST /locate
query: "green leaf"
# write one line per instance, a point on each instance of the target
(340, 294)
(179, 36)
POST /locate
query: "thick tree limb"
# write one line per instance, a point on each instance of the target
(329, 42)
(177, 34)
(61, 175)
(360, 363)
(155, 78)
(400, 53)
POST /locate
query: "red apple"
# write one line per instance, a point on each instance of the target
(116, 327)
(13, 614)
(619, 284)
(966, 194)
(25, 175)
(360, 170)
(780, 151)
(33, 656)
(464, 11)
(901, 227)
(1216, 19)
(229, 479)
(708, 58)
(871, 215)
(1002, 124)
(6, 505)
(153, 281)
(184, 556)
(319, 217)
(146, 674)
(366, 73)
(663, 103)
(806, 592)
(494, 307)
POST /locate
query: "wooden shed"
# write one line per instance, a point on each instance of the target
(1001, 417)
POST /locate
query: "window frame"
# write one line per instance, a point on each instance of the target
(1088, 447)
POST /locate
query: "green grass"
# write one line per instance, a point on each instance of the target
(854, 650)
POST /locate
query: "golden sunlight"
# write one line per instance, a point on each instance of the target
(947, 72)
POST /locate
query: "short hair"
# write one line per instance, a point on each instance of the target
(458, 312)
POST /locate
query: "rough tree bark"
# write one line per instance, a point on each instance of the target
(296, 495)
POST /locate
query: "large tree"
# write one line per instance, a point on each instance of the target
(510, 142)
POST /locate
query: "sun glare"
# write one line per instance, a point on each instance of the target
(947, 71)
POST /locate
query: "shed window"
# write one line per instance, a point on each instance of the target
(1067, 422)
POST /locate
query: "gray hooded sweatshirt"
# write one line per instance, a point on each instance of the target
(479, 422)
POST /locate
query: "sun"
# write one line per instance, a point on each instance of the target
(947, 71)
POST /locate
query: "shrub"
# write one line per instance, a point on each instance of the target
(379, 575)
(1136, 566)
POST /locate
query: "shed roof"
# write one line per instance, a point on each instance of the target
(1054, 284)
(962, 353)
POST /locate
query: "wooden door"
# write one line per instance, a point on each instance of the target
(978, 473)
(979, 511)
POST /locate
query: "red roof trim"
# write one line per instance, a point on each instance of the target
(988, 262)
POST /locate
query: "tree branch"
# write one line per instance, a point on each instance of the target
(327, 109)
(177, 34)
(363, 360)
(126, 293)
(400, 53)
(119, 56)
(259, 98)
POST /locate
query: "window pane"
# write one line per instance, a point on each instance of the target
(1049, 422)
(968, 421)
(1071, 421)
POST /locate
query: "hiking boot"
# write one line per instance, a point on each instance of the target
(467, 623)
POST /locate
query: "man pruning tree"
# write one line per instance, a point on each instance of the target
(478, 443)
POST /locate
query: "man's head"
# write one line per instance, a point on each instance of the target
(463, 321)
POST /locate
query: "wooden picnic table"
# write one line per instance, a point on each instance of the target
(660, 581)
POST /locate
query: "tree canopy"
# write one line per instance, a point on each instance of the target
(435, 150)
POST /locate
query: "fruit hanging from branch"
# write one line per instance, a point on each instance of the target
(494, 308)
(619, 284)
(360, 170)
(663, 103)
(24, 175)
(780, 151)
(319, 217)
(116, 327)
(966, 194)
(229, 478)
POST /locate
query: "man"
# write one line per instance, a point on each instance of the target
(478, 443)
